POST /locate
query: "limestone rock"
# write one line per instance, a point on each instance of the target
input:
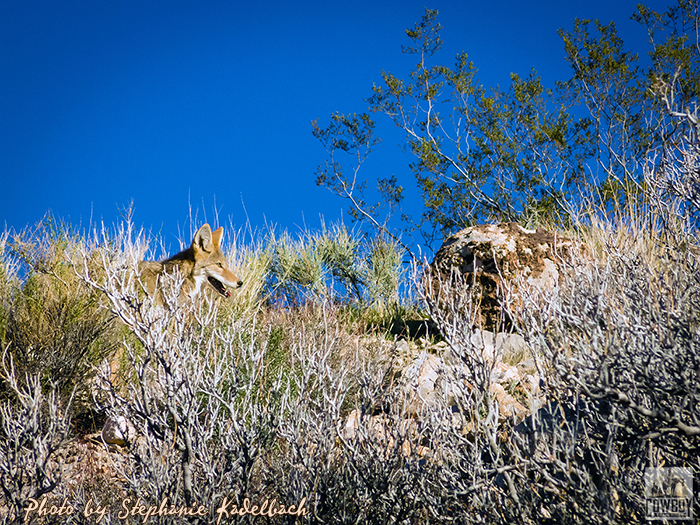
(423, 374)
(118, 431)
(504, 373)
(491, 258)
(508, 406)
(428, 381)
(492, 347)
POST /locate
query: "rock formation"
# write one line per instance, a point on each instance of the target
(489, 259)
(118, 431)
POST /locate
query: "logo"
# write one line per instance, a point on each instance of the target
(668, 493)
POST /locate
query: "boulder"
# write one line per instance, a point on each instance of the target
(490, 259)
(429, 382)
(118, 431)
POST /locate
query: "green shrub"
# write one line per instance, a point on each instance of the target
(53, 324)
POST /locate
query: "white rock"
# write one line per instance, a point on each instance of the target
(118, 431)
(504, 373)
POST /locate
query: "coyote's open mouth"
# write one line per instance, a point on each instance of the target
(219, 287)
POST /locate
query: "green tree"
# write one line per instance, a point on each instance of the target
(527, 152)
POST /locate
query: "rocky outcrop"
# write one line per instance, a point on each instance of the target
(490, 259)
(430, 380)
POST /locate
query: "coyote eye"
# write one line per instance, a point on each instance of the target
(220, 265)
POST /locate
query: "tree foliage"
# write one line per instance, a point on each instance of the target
(527, 152)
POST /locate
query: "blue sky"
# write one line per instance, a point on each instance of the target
(208, 104)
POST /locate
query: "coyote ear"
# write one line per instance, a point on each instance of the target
(202, 239)
(216, 235)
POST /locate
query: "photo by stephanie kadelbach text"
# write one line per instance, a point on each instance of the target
(138, 510)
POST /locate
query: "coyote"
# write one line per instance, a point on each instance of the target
(203, 261)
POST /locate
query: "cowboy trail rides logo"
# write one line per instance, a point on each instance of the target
(668, 493)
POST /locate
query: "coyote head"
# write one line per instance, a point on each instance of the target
(203, 262)
(210, 264)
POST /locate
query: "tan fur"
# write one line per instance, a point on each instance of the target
(202, 264)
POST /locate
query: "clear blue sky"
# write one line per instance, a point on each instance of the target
(170, 103)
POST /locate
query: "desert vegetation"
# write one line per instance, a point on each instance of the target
(251, 398)
(299, 389)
